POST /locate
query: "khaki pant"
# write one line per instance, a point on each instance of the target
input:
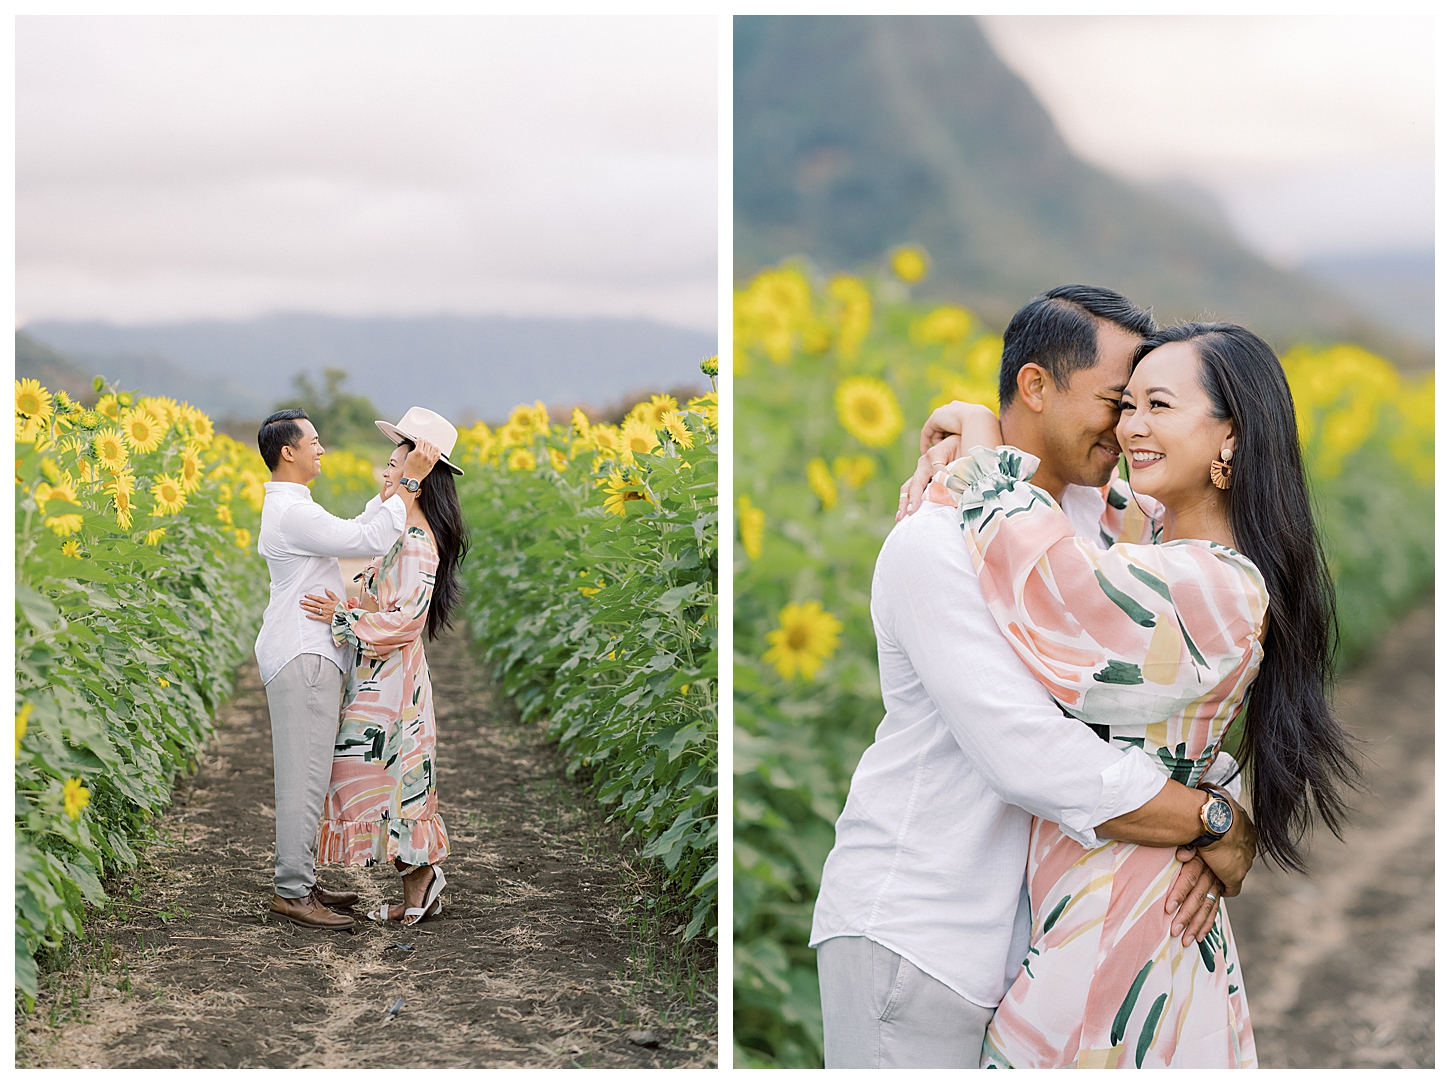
(880, 1011)
(304, 700)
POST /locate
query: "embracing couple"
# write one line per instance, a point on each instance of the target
(353, 736)
(1029, 868)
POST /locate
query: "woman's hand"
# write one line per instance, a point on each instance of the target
(972, 422)
(932, 460)
(1194, 899)
(320, 607)
(420, 461)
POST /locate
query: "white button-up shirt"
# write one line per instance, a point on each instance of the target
(931, 849)
(302, 541)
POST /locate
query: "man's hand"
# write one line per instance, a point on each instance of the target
(421, 459)
(1194, 898)
(931, 461)
(1232, 856)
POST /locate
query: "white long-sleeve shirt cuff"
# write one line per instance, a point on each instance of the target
(1128, 784)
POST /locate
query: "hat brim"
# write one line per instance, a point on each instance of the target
(397, 436)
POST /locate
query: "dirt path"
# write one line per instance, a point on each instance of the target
(540, 958)
(1339, 966)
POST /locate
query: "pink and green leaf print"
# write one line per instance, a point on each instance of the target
(382, 802)
(1155, 646)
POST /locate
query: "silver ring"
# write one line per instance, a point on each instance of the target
(1210, 896)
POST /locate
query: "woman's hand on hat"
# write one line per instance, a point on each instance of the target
(421, 460)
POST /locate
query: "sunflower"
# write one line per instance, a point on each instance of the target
(142, 430)
(911, 263)
(32, 400)
(65, 525)
(558, 460)
(224, 514)
(243, 537)
(252, 489)
(190, 469)
(607, 439)
(22, 724)
(656, 410)
(28, 430)
(679, 432)
(202, 431)
(89, 419)
(153, 538)
(72, 549)
(109, 406)
(807, 637)
(76, 798)
(710, 366)
(522, 459)
(621, 491)
(639, 438)
(868, 410)
(110, 449)
(163, 407)
(708, 407)
(854, 470)
(527, 420)
(169, 496)
(824, 486)
(752, 527)
(580, 422)
(63, 490)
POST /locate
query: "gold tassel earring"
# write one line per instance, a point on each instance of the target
(1219, 471)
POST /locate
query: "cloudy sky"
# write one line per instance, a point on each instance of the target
(1315, 133)
(169, 168)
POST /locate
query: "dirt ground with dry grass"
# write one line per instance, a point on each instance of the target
(1339, 965)
(545, 954)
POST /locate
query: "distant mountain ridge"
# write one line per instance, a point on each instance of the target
(857, 133)
(465, 367)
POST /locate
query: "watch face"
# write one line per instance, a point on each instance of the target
(1219, 817)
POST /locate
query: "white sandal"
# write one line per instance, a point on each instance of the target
(381, 912)
(432, 904)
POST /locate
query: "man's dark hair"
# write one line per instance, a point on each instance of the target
(279, 431)
(1058, 331)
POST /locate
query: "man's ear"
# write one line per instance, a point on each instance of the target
(289, 453)
(1032, 386)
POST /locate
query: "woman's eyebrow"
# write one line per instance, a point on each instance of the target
(1170, 391)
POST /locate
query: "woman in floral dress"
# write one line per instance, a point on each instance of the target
(1157, 646)
(382, 801)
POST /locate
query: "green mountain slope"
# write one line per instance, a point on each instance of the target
(854, 134)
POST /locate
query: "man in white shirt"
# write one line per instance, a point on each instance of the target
(300, 665)
(922, 920)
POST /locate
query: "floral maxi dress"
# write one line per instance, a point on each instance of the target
(1155, 646)
(382, 801)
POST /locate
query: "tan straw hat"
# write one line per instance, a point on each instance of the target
(420, 423)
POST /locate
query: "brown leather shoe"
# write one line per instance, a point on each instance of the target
(334, 899)
(308, 911)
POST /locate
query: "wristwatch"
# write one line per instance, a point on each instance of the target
(1217, 816)
(412, 485)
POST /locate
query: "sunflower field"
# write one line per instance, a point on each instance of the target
(592, 586)
(833, 378)
(138, 590)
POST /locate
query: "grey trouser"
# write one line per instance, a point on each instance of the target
(305, 702)
(882, 1012)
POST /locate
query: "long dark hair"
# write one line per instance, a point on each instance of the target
(438, 501)
(1299, 758)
